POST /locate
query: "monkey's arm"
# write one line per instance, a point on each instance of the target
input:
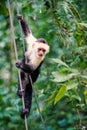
(25, 67)
(26, 30)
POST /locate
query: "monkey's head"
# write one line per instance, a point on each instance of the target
(38, 52)
(42, 48)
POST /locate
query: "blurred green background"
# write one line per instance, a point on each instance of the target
(61, 88)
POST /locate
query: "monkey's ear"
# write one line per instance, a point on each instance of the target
(20, 17)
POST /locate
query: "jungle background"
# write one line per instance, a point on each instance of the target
(61, 88)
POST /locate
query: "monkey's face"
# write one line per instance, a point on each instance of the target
(41, 52)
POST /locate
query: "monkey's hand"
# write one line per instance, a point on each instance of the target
(24, 112)
(26, 68)
(19, 17)
(19, 64)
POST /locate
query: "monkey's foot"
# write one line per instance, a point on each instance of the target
(20, 17)
(20, 93)
(24, 112)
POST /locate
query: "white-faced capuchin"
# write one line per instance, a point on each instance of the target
(34, 55)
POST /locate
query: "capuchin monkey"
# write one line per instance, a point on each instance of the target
(34, 55)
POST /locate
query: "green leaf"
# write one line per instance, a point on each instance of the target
(59, 61)
(77, 97)
(85, 94)
(84, 76)
(83, 24)
(60, 94)
(61, 77)
(3, 8)
(71, 85)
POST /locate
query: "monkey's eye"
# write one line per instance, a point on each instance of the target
(39, 49)
(43, 50)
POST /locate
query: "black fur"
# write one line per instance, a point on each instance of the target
(25, 28)
(26, 85)
(41, 40)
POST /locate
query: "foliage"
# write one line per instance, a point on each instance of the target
(62, 85)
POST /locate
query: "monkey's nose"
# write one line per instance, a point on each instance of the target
(40, 53)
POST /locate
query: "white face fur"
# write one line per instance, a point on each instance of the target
(37, 53)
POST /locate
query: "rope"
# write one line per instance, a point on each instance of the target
(15, 48)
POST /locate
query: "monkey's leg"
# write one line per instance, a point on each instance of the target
(27, 100)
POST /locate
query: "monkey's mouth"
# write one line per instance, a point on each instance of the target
(40, 55)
